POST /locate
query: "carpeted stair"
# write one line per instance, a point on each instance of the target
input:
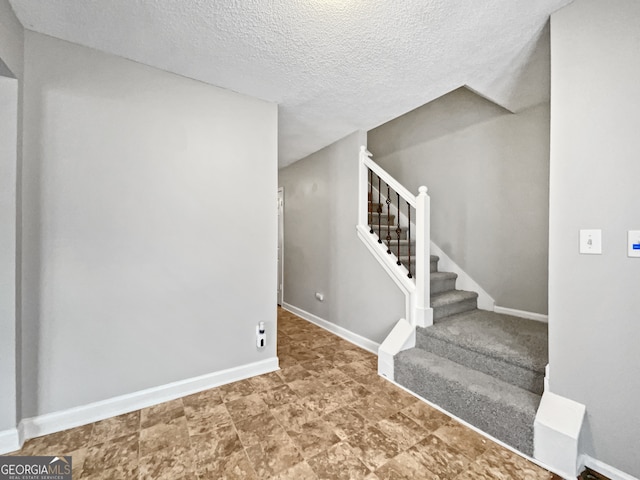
(483, 367)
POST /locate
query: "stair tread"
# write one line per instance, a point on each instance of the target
(403, 241)
(503, 410)
(443, 275)
(511, 339)
(451, 296)
(413, 258)
(490, 387)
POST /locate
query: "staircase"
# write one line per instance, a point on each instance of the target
(483, 367)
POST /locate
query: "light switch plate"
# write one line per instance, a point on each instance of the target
(591, 242)
(633, 242)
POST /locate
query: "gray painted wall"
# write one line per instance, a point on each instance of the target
(11, 66)
(8, 318)
(487, 171)
(594, 306)
(322, 252)
(11, 39)
(144, 196)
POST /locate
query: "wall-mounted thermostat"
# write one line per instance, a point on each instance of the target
(633, 242)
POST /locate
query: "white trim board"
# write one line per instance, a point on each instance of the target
(556, 433)
(539, 317)
(281, 245)
(402, 337)
(9, 441)
(93, 412)
(607, 470)
(464, 281)
(348, 335)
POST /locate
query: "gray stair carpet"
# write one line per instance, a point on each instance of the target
(384, 221)
(483, 367)
(442, 282)
(451, 302)
(492, 405)
(512, 349)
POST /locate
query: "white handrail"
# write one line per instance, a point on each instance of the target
(418, 297)
(392, 182)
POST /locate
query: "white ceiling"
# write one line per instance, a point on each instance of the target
(333, 66)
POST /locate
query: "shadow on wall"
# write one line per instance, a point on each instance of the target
(522, 83)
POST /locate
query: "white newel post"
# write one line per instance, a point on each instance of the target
(423, 310)
(363, 199)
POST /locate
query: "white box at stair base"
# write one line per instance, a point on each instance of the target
(556, 433)
(402, 337)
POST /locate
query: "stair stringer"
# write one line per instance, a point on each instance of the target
(397, 273)
(445, 264)
(464, 280)
(403, 334)
(402, 337)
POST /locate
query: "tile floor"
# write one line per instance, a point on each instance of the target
(325, 415)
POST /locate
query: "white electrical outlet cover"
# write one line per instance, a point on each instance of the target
(633, 242)
(591, 242)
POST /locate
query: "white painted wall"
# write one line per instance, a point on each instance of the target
(594, 306)
(322, 250)
(149, 227)
(487, 172)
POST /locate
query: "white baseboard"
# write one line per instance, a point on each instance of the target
(342, 332)
(605, 469)
(9, 441)
(522, 314)
(93, 412)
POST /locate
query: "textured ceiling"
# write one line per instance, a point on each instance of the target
(333, 66)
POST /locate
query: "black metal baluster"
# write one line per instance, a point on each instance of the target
(379, 212)
(409, 239)
(388, 220)
(370, 204)
(398, 230)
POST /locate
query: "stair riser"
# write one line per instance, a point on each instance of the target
(404, 249)
(453, 308)
(384, 220)
(490, 415)
(444, 285)
(515, 375)
(383, 232)
(433, 265)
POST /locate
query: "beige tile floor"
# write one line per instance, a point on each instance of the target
(325, 415)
